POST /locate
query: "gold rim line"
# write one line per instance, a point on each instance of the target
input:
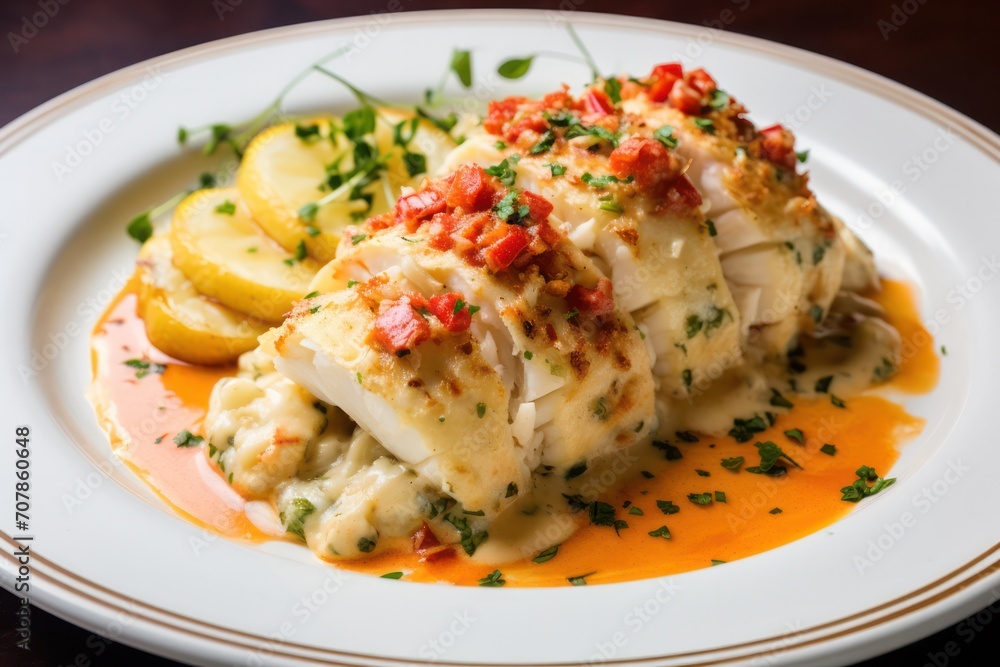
(955, 588)
(978, 136)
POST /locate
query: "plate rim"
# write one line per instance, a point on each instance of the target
(978, 136)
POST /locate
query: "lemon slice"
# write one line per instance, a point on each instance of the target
(228, 257)
(286, 170)
(180, 321)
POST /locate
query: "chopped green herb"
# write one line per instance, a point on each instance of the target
(796, 435)
(599, 182)
(744, 429)
(546, 555)
(705, 124)
(576, 470)
(837, 403)
(511, 490)
(828, 449)
(556, 169)
(613, 87)
(686, 436)
(670, 452)
(733, 463)
(860, 489)
(461, 65)
(365, 545)
(307, 133)
(770, 453)
(499, 145)
(665, 135)
(358, 238)
(301, 508)
(186, 439)
(503, 172)
(515, 68)
(802, 156)
(703, 473)
(720, 497)
(480, 410)
(647, 474)
(351, 283)
(667, 507)
(700, 498)
(662, 531)
(718, 100)
(776, 510)
(823, 384)
(226, 208)
(544, 143)
(579, 580)
(470, 540)
(609, 203)
(686, 377)
(711, 228)
(718, 562)
(816, 314)
(636, 511)
(528, 355)
(779, 401)
(392, 575)
(140, 227)
(144, 368)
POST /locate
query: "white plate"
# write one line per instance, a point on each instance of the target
(108, 555)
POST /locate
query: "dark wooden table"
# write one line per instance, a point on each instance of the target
(948, 50)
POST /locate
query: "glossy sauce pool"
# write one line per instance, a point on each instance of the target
(144, 414)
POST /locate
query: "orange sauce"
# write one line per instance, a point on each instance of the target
(868, 431)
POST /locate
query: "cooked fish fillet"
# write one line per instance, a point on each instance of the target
(782, 254)
(546, 371)
(652, 241)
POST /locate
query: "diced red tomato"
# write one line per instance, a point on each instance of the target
(400, 327)
(681, 197)
(662, 79)
(646, 160)
(501, 112)
(442, 307)
(533, 122)
(779, 146)
(471, 189)
(502, 253)
(425, 539)
(701, 81)
(685, 98)
(598, 102)
(594, 302)
(411, 210)
(548, 233)
(538, 206)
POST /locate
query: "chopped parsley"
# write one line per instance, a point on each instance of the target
(609, 203)
(480, 410)
(493, 580)
(186, 439)
(358, 238)
(579, 580)
(392, 575)
(720, 497)
(816, 314)
(365, 545)
(860, 488)
(665, 135)
(576, 470)
(828, 449)
(636, 511)
(700, 498)
(776, 510)
(144, 368)
(599, 182)
(796, 435)
(837, 403)
(744, 429)
(667, 507)
(613, 88)
(703, 473)
(705, 124)
(226, 208)
(301, 508)
(470, 539)
(511, 490)
(662, 531)
(670, 452)
(686, 377)
(712, 231)
(544, 143)
(733, 463)
(556, 169)
(686, 436)
(770, 453)
(802, 156)
(823, 384)
(779, 401)
(546, 555)
(503, 172)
